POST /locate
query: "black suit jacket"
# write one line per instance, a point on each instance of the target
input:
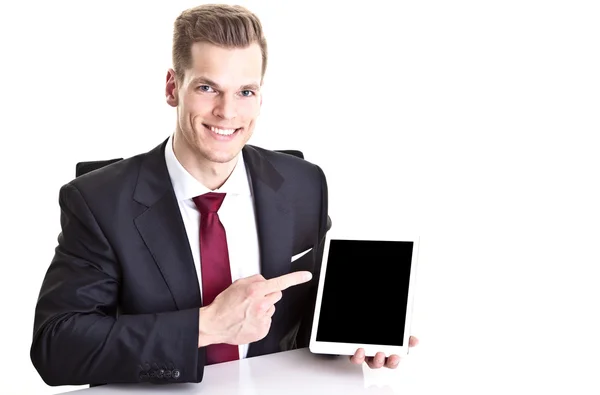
(120, 301)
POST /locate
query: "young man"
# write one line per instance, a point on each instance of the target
(175, 258)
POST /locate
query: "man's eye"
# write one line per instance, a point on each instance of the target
(205, 88)
(247, 93)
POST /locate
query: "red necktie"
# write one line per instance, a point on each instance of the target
(216, 273)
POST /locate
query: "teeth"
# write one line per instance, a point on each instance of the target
(223, 132)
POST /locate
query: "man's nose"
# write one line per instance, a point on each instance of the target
(225, 108)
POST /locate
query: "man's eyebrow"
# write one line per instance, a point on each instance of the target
(204, 80)
(251, 87)
(208, 81)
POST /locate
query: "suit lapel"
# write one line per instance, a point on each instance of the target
(274, 216)
(162, 229)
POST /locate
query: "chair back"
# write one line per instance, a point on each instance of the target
(87, 166)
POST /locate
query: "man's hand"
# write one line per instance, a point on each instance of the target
(379, 360)
(241, 314)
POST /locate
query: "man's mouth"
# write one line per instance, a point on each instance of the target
(222, 131)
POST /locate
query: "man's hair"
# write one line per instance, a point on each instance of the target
(227, 26)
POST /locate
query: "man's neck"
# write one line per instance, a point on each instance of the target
(210, 174)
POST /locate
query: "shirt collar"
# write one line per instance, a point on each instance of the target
(187, 187)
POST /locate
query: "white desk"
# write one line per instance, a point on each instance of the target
(290, 373)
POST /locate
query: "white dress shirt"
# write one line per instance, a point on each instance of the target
(236, 215)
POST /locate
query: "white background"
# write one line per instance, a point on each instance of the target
(474, 123)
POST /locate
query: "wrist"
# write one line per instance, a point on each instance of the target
(207, 333)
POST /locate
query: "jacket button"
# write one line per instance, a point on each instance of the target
(176, 374)
(160, 374)
(144, 376)
(168, 374)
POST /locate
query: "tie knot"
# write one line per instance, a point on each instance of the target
(209, 202)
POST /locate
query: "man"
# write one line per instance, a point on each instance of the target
(175, 258)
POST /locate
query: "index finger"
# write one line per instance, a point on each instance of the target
(287, 280)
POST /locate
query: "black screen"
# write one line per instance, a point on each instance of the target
(366, 291)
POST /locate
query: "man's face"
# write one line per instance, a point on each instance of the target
(218, 101)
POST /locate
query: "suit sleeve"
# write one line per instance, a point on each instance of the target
(78, 336)
(303, 337)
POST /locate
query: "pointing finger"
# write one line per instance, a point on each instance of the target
(287, 280)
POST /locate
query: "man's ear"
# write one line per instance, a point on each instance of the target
(171, 89)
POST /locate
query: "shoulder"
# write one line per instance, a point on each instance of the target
(111, 180)
(115, 175)
(292, 168)
(303, 182)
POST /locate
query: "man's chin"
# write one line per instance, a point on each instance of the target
(220, 157)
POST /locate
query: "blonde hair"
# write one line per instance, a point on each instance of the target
(227, 26)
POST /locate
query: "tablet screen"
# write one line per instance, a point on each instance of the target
(365, 293)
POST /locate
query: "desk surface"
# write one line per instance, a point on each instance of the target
(291, 372)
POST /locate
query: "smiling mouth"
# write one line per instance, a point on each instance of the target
(222, 131)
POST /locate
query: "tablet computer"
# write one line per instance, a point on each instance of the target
(365, 295)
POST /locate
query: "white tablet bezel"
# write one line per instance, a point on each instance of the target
(320, 347)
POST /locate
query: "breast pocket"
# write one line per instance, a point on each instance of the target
(303, 260)
(301, 254)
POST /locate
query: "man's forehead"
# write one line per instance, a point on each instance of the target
(231, 62)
